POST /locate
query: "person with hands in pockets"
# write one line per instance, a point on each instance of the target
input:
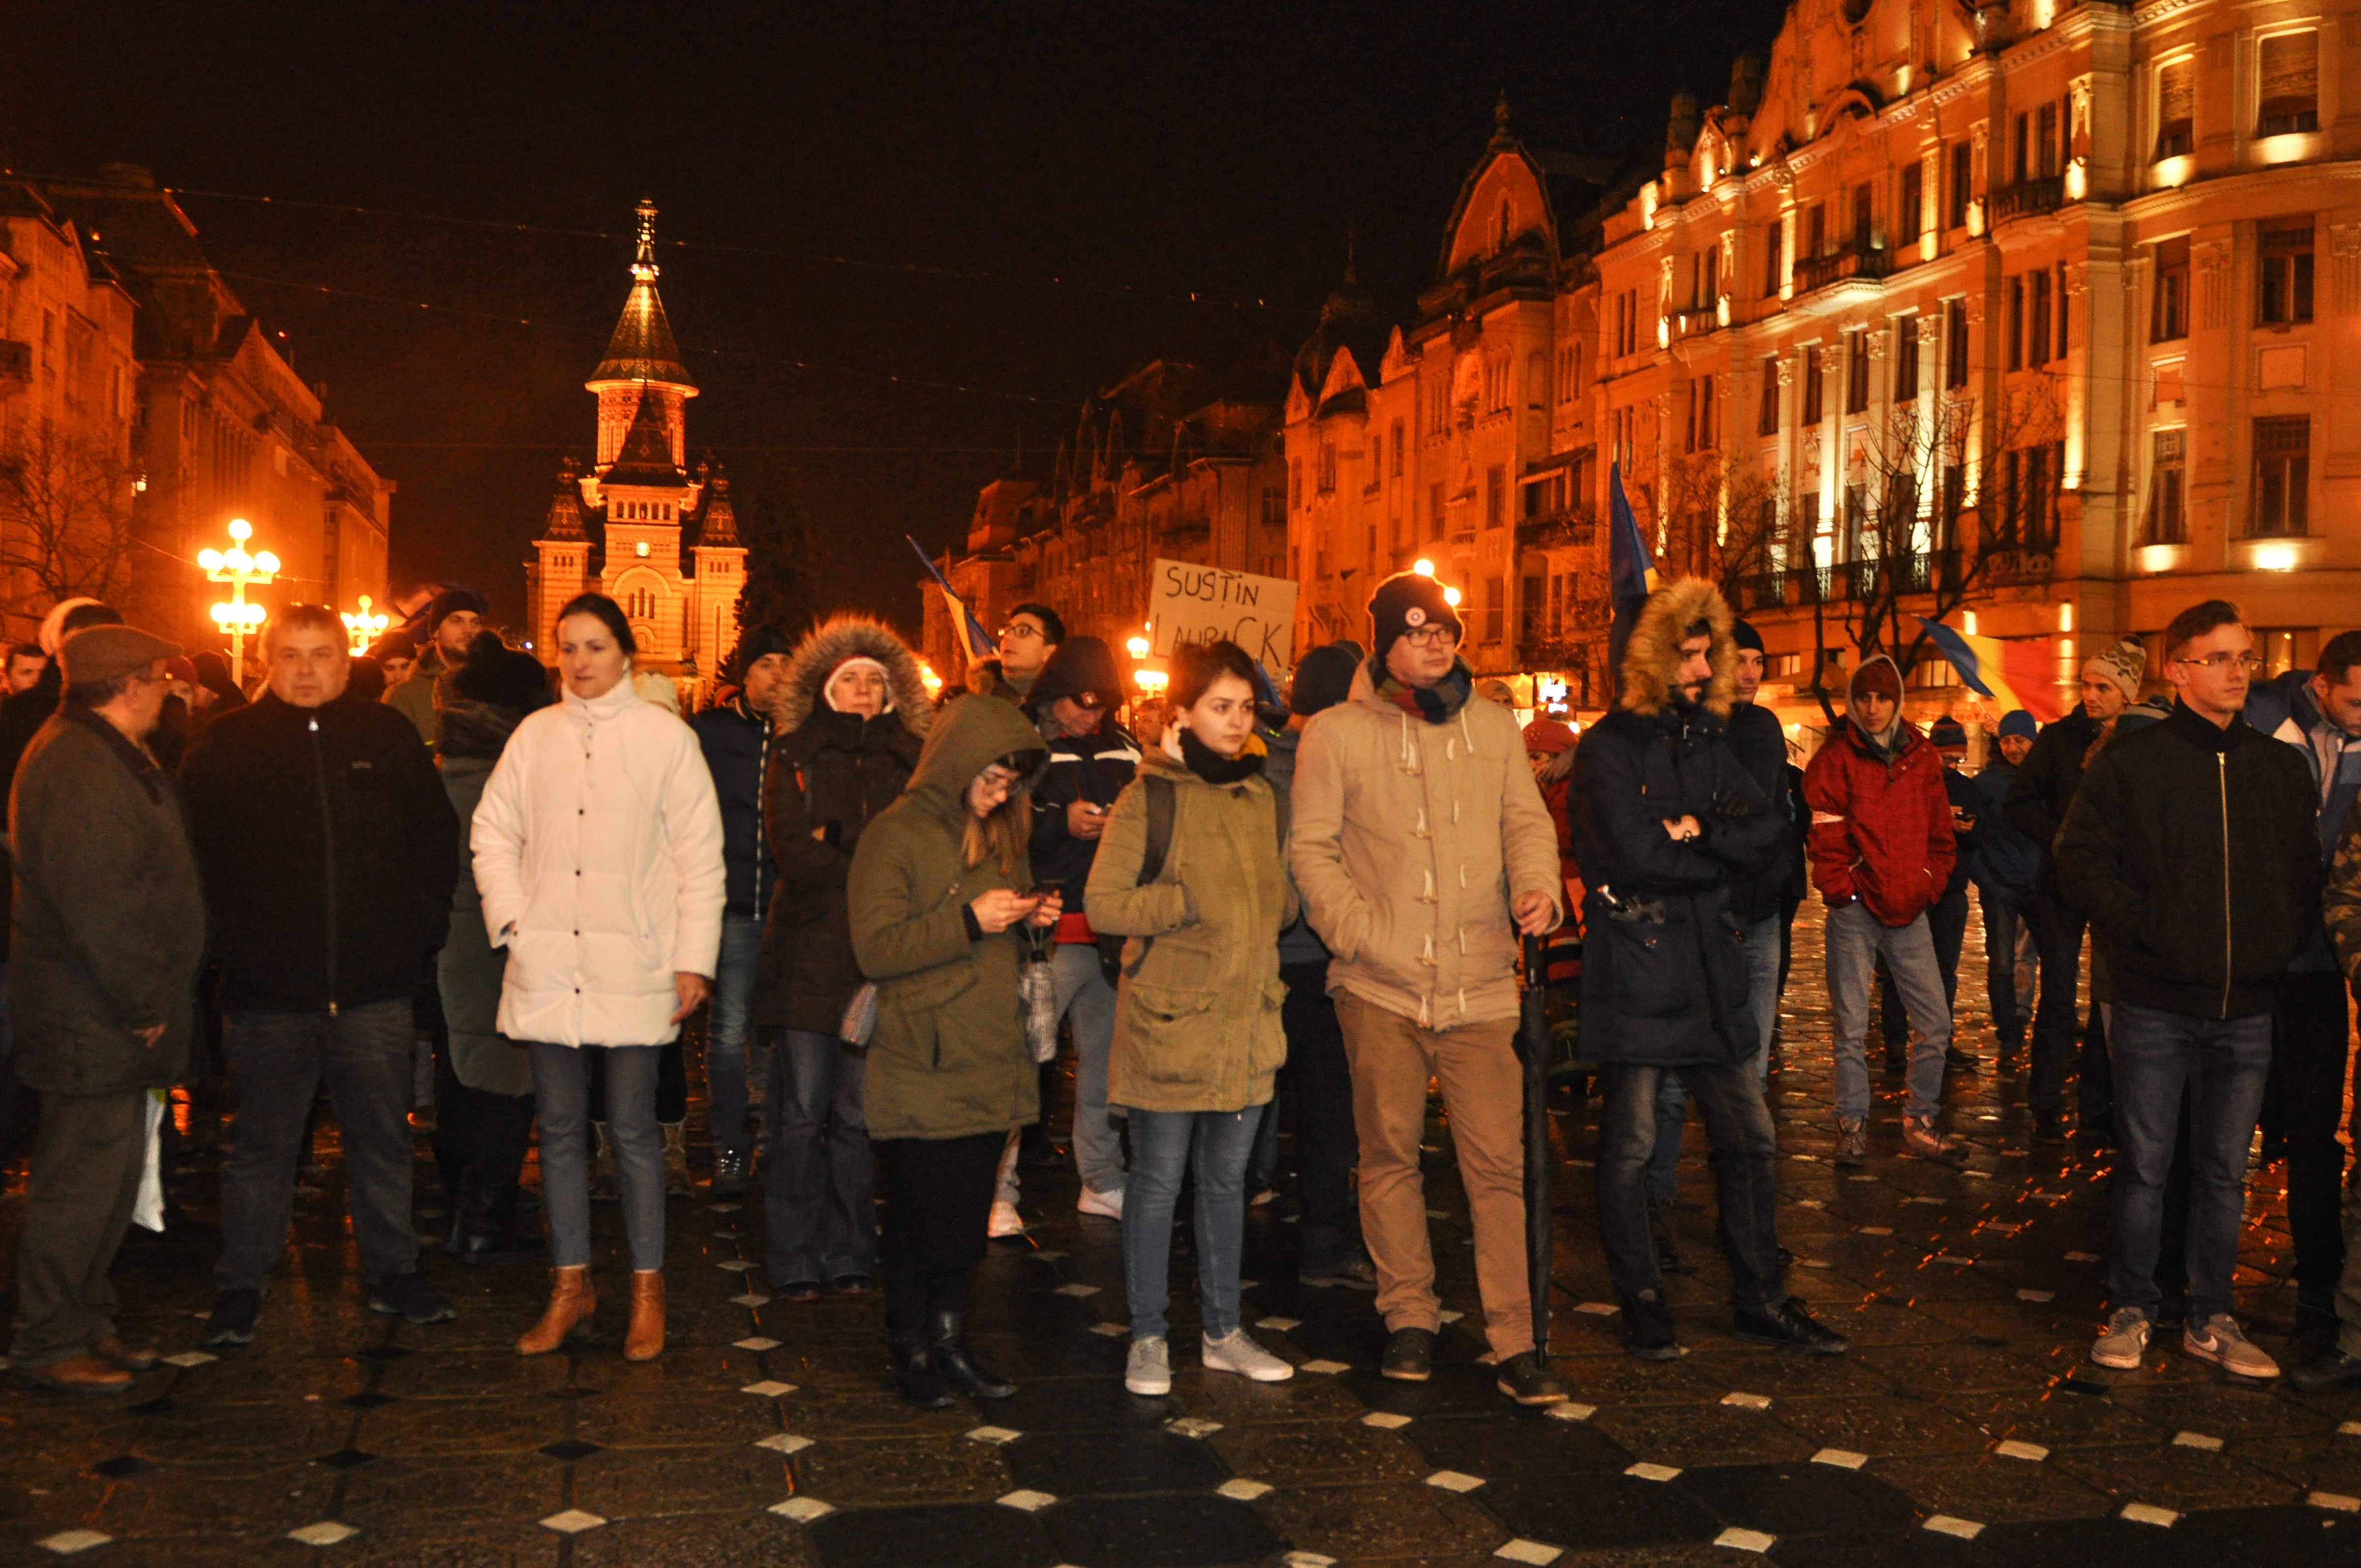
(1190, 869)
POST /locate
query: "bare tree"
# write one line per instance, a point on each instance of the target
(67, 527)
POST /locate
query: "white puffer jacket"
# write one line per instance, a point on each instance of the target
(599, 839)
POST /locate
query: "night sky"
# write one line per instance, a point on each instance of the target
(875, 200)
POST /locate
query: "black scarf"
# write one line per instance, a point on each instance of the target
(1215, 767)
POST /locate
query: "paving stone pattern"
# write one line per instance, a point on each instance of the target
(1966, 1427)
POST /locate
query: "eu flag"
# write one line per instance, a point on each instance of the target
(1630, 572)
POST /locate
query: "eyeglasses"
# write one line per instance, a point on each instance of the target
(2250, 662)
(1430, 637)
(1018, 628)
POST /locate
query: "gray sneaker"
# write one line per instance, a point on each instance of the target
(2219, 1341)
(1853, 1143)
(1240, 1355)
(1149, 1369)
(2124, 1341)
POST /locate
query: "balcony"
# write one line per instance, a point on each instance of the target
(2028, 199)
(15, 367)
(1848, 580)
(2011, 564)
(1576, 528)
(1695, 321)
(1854, 263)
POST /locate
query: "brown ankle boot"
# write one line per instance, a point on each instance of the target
(644, 1342)
(571, 1301)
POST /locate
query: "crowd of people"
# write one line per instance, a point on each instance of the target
(891, 911)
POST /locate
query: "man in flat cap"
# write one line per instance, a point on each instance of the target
(108, 933)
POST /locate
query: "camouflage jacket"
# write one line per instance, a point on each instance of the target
(2342, 904)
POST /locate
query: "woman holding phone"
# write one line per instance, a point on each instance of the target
(1197, 1036)
(939, 892)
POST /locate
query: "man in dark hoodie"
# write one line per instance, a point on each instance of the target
(451, 623)
(1882, 849)
(736, 737)
(1669, 824)
(1092, 757)
(2004, 863)
(2192, 849)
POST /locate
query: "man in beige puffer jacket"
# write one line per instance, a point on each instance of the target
(1422, 847)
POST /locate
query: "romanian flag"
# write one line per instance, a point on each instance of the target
(1630, 571)
(975, 645)
(2007, 675)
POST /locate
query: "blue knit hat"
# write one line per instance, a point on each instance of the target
(1947, 731)
(2016, 721)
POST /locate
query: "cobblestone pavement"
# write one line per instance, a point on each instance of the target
(1967, 1425)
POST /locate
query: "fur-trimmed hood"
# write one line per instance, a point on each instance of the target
(1653, 654)
(831, 643)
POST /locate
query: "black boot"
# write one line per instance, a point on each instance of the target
(1648, 1330)
(459, 1194)
(913, 1372)
(493, 1235)
(944, 1333)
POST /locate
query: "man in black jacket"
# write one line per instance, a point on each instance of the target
(2191, 849)
(330, 851)
(1667, 826)
(2038, 798)
(109, 933)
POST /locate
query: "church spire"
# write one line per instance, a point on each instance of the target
(642, 348)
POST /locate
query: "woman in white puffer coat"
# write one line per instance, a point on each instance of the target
(598, 850)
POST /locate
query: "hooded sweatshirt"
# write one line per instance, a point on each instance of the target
(1881, 828)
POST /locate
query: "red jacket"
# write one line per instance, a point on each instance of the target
(1881, 830)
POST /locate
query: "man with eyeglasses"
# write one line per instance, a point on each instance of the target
(2192, 849)
(1422, 847)
(1030, 636)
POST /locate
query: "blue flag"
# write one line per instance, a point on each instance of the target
(965, 628)
(1630, 573)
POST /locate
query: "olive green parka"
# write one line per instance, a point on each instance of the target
(1197, 1027)
(949, 1058)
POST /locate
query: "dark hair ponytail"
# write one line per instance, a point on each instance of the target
(609, 614)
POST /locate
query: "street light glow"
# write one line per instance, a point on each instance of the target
(1451, 597)
(1423, 567)
(1138, 646)
(240, 530)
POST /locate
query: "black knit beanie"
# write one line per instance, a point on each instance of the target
(1405, 601)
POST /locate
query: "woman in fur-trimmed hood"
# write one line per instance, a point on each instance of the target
(849, 717)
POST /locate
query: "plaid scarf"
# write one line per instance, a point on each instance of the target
(1435, 704)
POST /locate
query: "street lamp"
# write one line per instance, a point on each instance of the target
(364, 628)
(240, 571)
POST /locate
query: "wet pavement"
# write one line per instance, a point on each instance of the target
(1967, 1426)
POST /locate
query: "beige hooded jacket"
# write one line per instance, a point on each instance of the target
(1410, 840)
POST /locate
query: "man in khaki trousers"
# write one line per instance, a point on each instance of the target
(1422, 847)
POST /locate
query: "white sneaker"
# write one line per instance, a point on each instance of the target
(2124, 1341)
(1149, 1369)
(1106, 1205)
(2219, 1341)
(1240, 1355)
(1006, 1220)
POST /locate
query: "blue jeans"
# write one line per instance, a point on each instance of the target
(2223, 1066)
(561, 1093)
(1745, 1146)
(1856, 940)
(2007, 910)
(819, 1190)
(1763, 943)
(1164, 1145)
(726, 1030)
(1085, 999)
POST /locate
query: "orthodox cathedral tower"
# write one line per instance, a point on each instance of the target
(639, 527)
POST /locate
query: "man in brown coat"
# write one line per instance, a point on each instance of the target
(1422, 847)
(109, 929)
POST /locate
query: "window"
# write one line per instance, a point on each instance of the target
(2176, 108)
(1496, 497)
(1530, 606)
(1396, 470)
(2019, 146)
(1813, 386)
(2282, 474)
(2029, 496)
(1856, 372)
(1863, 226)
(1963, 180)
(1906, 358)
(1816, 229)
(1496, 607)
(1377, 460)
(2288, 83)
(1767, 412)
(1700, 423)
(1536, 379)
(1434, 511)
(2063, 315)
(1627, 322)
(2286, 271)
(2169, 318)
(1955, 343)
(1327, 466)
(1294, 484)
(2167, 508)
(2045, 135)
(1704, 277)
(2036, 337)
(2016, 360)
(1774, 244)
(1914, 195)
(1274, 514)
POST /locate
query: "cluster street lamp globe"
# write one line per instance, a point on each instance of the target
(240, 570)
(365, 627)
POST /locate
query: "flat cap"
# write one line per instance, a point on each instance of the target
(102, 653)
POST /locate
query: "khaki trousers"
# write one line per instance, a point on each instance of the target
(1483, 1097)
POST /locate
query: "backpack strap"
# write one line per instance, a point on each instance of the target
(1163, 801)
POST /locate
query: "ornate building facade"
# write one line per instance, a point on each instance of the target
(1178, 460)
(639, 527)
(2013, 314)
